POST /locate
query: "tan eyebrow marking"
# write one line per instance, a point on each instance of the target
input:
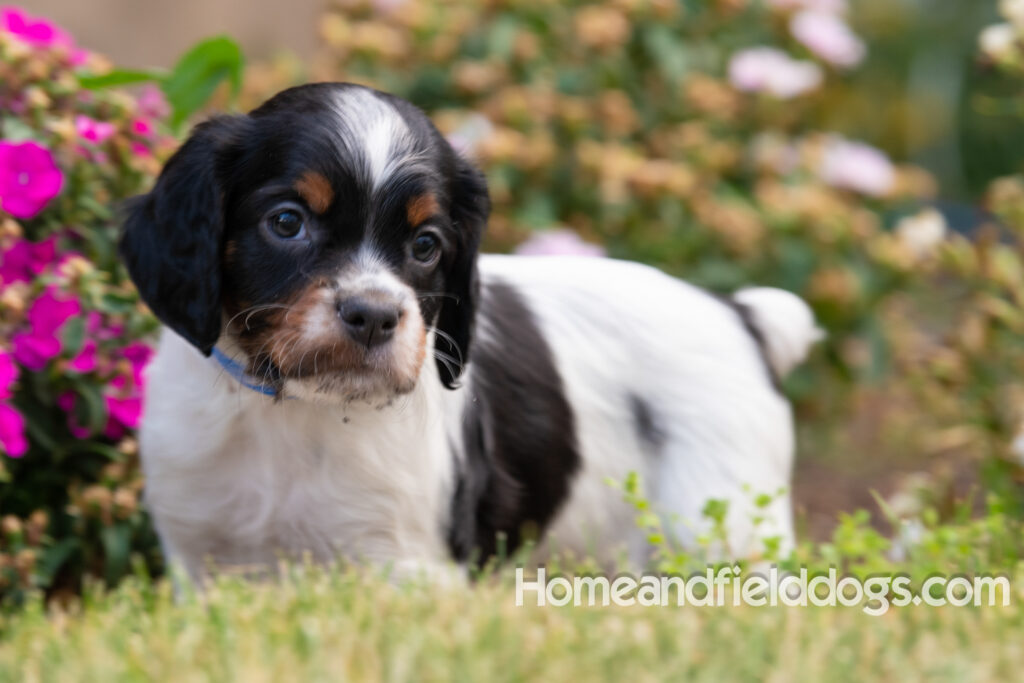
(422, 207)
(316, 190)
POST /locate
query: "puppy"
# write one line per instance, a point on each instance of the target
(340, 375)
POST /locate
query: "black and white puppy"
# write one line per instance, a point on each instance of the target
(341, 375)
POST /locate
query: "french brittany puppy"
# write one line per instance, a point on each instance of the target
(341, 376)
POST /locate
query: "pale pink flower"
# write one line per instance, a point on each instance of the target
(12, 431)
(858, 167)
(827, 36)
(94, 131)
(29, 178)
(152, 103)
(559, 242)
(772, 71)
(471, 132)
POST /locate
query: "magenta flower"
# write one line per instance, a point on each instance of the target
(25, 259)
(827, 35)
(767, 70)
(35, 348)
(138, 355)
(124, 404)
(39, 32)
(142, 126)
(12, 431)
(32, 30)
(29, 178)
(858, 167)
(8, 374)
(140, 150)
(559, 242)
(85, 360)
(91, 130)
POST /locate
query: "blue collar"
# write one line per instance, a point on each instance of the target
(235, 369)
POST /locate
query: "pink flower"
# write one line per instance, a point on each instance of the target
(12, 431)
(85, 360)
(29, 178)
(142, 126)
(858, 167)
(25, 259)
(8, 374)
(32, 30)
(140, 150)
(138, 355)
(124, 403)
(767, 70)
(92, 130)
(152, 103)
(559, 242)
(39, 32)
(48, 313)
(827, 35)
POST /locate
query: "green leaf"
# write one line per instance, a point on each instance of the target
(198, 73)
(54, 558)
(117, 548)
(91, 411)
(73, 334)
(121, 77)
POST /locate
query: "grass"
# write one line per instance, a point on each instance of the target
(343, 625)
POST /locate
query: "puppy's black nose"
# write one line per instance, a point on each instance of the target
(369, 323)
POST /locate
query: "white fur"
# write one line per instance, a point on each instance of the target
(234, 476)
(787, 323)
(372, 130)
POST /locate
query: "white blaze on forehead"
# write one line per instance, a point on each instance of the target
(373, 131)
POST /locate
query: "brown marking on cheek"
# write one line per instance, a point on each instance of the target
(230, 251)
(316, 190)
(422, 207)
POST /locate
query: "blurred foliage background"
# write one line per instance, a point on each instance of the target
(865, 155)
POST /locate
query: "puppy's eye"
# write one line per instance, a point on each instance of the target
(287, 223)
(426, 247)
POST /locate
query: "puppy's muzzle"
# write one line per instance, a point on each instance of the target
(369, 322)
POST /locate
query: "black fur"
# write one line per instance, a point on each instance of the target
(750, 325)
(519, 434)
(233, 171)
(173, 236)
(647, 427)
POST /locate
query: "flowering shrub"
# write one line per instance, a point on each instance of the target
(684, 134)
(71, 359)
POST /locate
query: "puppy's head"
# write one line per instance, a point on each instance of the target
(324, 238)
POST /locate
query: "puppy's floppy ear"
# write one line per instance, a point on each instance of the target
(172, 236)
(470, 207)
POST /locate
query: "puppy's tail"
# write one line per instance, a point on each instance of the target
(783, 324)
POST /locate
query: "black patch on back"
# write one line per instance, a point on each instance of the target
(519, 432)
(646, 424)
(747, 318)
